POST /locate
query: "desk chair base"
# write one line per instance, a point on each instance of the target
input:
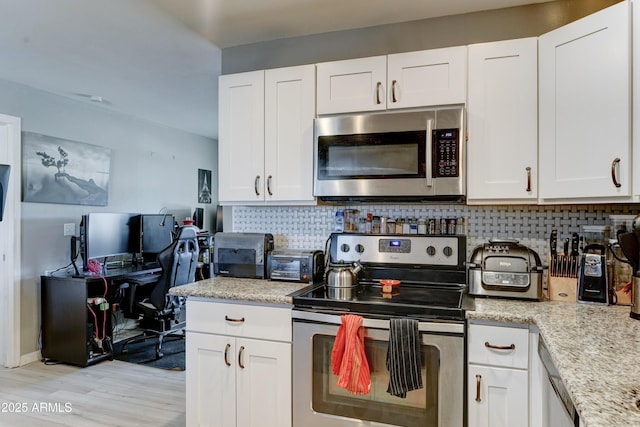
(176, 332)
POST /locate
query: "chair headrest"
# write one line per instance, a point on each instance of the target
(187, 232)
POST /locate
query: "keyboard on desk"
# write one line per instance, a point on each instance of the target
(144, 277)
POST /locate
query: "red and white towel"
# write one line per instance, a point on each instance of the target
(348, 359)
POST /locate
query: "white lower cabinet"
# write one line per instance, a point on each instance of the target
(497, 396)
(498, 376)
(234, 378)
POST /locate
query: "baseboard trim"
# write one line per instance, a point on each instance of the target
(25, 359)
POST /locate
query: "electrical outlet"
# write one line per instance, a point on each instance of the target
(70, 229)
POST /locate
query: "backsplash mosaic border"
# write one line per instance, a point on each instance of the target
(308, 227)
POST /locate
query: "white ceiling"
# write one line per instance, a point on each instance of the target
(159, 59)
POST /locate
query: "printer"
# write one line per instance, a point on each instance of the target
(241, 254)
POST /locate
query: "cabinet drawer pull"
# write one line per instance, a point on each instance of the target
(255, 185)
(378, 87)
(614, 166)
(269, 185)
(528, 169)
(230, 319)
(226, 355)
(394, 83)
(499, 347)
(240, 357)
(478, 380)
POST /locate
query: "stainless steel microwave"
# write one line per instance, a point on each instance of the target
(412, 156)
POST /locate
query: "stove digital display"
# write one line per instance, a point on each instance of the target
(394, 246)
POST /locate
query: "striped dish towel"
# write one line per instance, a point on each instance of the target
(403, 357)
(348, 359)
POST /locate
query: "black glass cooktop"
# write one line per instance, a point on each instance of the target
(441, 302)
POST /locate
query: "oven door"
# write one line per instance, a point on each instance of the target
(319, 402)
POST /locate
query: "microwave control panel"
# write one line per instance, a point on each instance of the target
(446, 154)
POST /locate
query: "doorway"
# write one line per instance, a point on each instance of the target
(10, 244)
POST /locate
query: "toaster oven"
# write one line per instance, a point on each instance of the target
(296, 265)
(505, 268)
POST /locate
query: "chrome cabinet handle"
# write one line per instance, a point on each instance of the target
(378, 87)
(499, 347)
(240, 357)
(393, 91)
(528, 169)
(614, 178)
(478, 380)
(230, 319)
(269, 185)
(255, 185)
(226, 355)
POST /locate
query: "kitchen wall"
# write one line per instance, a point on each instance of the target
(501, 24)
(152, 167)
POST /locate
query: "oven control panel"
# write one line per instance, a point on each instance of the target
(399, 249)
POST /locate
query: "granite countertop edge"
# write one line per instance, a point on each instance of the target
(593, 346)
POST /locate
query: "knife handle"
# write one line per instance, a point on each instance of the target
(553, 242)
(566, 246)
(575, 239)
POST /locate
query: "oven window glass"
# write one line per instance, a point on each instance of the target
(420, 407)
(377, 155)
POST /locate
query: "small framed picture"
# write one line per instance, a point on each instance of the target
(204, 186)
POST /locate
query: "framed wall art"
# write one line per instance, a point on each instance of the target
(56, 170)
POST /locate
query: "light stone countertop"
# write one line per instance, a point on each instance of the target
(596, 349)
(249, 290)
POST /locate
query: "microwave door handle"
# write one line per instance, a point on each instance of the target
(429, 149)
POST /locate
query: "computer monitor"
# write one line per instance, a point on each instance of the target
(198, 218)
(103, 235)
(150, 234)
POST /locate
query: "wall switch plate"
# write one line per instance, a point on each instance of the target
(70, 229)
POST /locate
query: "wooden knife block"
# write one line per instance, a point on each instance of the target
(561, 288)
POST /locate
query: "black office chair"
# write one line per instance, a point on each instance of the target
(161, 312)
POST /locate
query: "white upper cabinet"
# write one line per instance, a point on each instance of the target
(584, 77)
(265, 147)
(352, 85)
(404, 80)
(502, 122)
(241, 137)
(427, 77)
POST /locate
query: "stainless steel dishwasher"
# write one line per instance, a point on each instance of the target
(559, 410)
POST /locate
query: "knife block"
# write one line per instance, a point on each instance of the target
(561, 288)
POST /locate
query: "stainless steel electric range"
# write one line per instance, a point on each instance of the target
(432, 290)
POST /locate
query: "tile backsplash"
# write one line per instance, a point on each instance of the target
(308, 227)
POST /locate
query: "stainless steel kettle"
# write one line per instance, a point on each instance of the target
(342, 275)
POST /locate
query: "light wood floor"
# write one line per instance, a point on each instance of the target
(110, 393)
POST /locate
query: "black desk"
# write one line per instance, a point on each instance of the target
(76, 309)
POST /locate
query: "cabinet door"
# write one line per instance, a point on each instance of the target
(427, 78)
(352, 85)
(210, 380)
(503, 121)
(289, 113)
(585, 107)
(241, 137)
(264, 383)
(498, 397)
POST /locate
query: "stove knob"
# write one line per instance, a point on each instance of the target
(345, 248)
(359, 248)
(431, 251)
(447, 251)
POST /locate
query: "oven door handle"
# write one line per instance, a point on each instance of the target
(334, 319)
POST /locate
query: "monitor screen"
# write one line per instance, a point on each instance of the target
(106, 234)
(151, 233)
